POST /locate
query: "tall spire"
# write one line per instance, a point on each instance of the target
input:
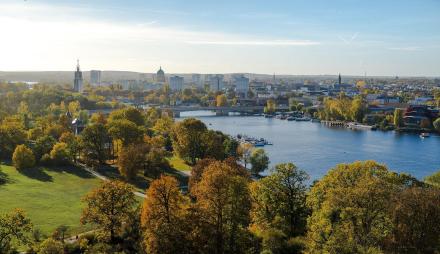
(340, 78)
(77, 64)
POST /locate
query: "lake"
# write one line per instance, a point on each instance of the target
(316, 148)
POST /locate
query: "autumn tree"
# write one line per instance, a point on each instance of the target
(132, 159)
(11, 135)
(259, 161)
(270, 107)
(163, 217)
(221, 100)
(245, 152)
(14, 226)
(109, 206)
(415, 214)
(51, 246)
(224, 200)
(23, 157)
(188, 138)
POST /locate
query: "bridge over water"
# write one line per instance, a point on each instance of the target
(220, 111)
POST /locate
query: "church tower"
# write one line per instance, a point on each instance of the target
(78, 80)
(340, 80)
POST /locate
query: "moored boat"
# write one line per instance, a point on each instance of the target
(424, 135)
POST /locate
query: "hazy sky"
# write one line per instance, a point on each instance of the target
(383, 37)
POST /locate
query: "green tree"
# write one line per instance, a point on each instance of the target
(73, 144)
(109, 206)
(23, 157)
(398, 118)
(349, 209)
(14, 226)
(434, 179)
(357, 109)
(259, 161)
(131, 114)
(187, 139)
(125, 130)
(280, 201)
(94, 142)
(43, 145)
(436, 124)
(60, 154)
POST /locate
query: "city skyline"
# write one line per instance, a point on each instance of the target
(288, 37)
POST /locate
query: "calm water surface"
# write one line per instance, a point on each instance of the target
(317, 148)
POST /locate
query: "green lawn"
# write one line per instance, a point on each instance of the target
(50, 197)
(179, 164)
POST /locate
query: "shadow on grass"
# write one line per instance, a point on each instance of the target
(73, 170)
(37, 174)
(141, 181)
(4, 178)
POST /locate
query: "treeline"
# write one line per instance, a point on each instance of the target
(343, 108)
(356, 208)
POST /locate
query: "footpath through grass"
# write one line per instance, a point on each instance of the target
(179, 164)
(50, 197)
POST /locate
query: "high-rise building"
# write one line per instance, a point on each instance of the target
(216, 83)
(78, 80)
(176, 83)
(95, 77)
(241, 84)
(160, 76)
(197, 80)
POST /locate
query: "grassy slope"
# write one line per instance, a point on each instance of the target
(179, 164)
(49, 197)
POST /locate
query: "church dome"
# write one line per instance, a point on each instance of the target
(160, 71)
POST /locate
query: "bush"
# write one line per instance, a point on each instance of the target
(50, 246)
(60, 154)
(45, 160)
(23, 157)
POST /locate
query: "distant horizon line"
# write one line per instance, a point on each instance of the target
(231, 73)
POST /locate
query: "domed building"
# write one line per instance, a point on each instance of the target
(160, 75)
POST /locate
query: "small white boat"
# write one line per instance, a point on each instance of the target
(424, 135)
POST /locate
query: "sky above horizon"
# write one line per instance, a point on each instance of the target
(353, 37)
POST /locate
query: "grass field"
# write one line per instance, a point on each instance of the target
(50, 197)
(179, 164)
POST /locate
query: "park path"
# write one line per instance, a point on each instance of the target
(137, 193)
(104, 178)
